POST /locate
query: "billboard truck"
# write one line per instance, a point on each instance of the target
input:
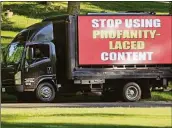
(115, 54)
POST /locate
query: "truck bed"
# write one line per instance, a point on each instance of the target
(118, 73)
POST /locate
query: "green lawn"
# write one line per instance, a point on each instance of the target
(161, 96)
(27, 13)
(86, 118)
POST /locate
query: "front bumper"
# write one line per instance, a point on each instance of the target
(12, 89)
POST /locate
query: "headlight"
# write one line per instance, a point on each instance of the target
(18, 78)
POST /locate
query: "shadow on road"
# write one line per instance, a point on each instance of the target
(61, 99)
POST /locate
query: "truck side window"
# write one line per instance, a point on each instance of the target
(39, 52)
(45, 34)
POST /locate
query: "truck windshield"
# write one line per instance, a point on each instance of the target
(15, 49)
(14, 54)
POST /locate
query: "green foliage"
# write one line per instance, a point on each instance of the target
(35, 10)
(158, 7)
(161, 96)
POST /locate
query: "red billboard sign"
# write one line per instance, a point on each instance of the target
(125, 40)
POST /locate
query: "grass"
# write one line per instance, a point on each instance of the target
(161, 96)
(86, 118)
(27, 13)
(7, 36)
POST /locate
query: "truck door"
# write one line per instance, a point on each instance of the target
(37, 64)
(12, 57)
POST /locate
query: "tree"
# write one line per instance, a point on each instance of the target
(73, 7)
(170, 8)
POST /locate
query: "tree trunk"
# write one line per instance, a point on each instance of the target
(73, 7)
(45, 2)
(170, 8)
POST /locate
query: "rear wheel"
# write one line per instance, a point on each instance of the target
(45, 92)
(131, 92)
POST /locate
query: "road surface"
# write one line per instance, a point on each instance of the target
(102, 104)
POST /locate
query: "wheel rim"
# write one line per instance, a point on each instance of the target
(46, 92)
(132, 92)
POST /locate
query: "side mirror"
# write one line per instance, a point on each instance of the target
(29, 57)
(29, 54)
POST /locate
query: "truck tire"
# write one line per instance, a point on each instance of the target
(45, 92)
(132, 92)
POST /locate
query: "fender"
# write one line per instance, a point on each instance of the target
(50, 79)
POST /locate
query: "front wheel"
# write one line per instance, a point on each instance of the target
(132, 92)
(45, 92)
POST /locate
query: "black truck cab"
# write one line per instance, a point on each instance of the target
(36, 39)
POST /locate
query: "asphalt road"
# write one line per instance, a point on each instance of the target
(102, 104)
